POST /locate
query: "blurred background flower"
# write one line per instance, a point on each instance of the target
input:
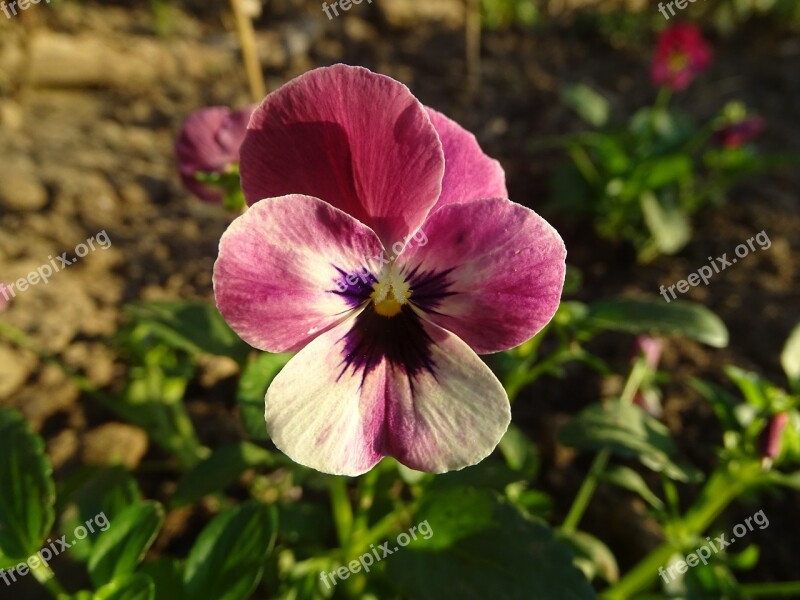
(681, 54)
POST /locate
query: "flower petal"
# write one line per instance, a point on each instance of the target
(342, 416)
(355, 139)
(491, 272)
(469, 174)
(278, 280)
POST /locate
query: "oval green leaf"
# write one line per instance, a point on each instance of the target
(227, 561)
(27, 492)
(121, 548)
(679, 317)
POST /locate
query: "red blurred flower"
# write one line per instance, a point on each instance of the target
(209, 143)
(737, 134)
(770, 441)
(681, 54)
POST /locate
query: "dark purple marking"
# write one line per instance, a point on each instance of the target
(428, 288)
(400, 339)
(357, 293)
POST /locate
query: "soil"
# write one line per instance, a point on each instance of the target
(91, 98)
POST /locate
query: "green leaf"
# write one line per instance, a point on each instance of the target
(627, 431)
(90, 492)
(590, 106)
(520, 453)
(27, 493)
(790, 358)
(227, 561)
(679, 317)
(628, 479)
(667, 224)
(195, 327)
(480, 546)
(122, 547)
(253, 384)
(167, 575)
(220, 470)
(592, 556)
(131, 587)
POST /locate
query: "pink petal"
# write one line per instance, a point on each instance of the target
(343, 421)
(468, 174)
(498, 271)
(277, 277)
(355, 139)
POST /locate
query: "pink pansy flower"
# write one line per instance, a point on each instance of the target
(340, 165)
(209, 143)
(681, 54)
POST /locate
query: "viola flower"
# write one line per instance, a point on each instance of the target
(681, 54)
(737, 134)
(340, 165)
(647, 396)
(650, 348)
(208, 145)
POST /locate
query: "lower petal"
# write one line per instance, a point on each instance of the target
(338, 415)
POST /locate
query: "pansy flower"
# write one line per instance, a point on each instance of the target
(681, 54)
(340, 166)
(208, 147)
(737, 134)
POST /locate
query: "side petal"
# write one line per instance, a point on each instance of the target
(338, 415)
(491, 272)
(278, 280)
(469, 174)
(358, 140)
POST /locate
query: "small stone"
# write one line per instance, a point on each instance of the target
(114, 444)
(21, 191)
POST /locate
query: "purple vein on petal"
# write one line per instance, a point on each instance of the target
(357, 293)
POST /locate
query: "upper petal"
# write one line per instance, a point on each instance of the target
(440, 410)
(278, 280)
(491, 272)
(469, 174)
(356, 139)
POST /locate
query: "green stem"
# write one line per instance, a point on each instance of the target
(584, 164)
(342, 510)
(586, 492)
(784, 588)
(643, 575)
(44, 575)
(366, 497)
(722, 488)
(662, 100)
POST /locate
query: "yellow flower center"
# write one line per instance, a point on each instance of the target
(390, 292)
